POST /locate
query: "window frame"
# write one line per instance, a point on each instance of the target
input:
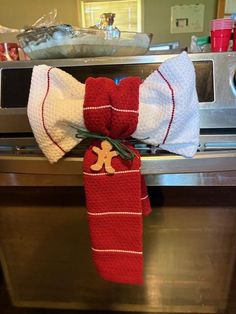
(140, 15)
(221, 7)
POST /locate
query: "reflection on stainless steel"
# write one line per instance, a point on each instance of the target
(202, 162)
(39, 180)
(189, 251)
(174, 45)
(193, 179)
(217, 153)
(220, 146)
(222, 178)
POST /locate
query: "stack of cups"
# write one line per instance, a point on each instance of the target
(234, 36)
(221, 30)
(9, 52)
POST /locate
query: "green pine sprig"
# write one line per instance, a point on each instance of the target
(124, 151)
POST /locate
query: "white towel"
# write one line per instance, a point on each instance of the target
(168, 109)
(55, 102)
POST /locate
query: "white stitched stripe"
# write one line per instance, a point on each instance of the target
(99, 107)
(117, 251)
(113, 108)
(114, 213)
(124, 110)
(105, 173)
(143, 198)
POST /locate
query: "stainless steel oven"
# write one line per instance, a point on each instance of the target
(190, 238)
(217, 103)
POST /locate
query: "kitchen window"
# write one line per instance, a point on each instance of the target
(128, 13)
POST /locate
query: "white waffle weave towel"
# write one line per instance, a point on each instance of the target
(55, 103)
(168, 109)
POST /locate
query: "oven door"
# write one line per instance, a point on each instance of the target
(189, 239)
(189, 246)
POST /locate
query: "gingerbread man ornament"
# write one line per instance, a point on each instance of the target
(105, 155)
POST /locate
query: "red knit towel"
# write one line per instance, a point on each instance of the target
(114, 202)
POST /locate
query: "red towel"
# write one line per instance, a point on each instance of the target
(116, 202)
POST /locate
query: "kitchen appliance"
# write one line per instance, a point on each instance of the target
(216, 91)
(190, 238)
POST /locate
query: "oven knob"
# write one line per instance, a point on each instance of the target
(233, 83)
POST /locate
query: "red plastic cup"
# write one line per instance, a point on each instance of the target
(234, 39)
(221, 30)
(9, 52)
(219, 44)
(220, 40)
(221, 24)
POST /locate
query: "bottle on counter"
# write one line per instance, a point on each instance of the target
(106, 24)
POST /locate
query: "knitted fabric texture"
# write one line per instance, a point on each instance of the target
(115, 203)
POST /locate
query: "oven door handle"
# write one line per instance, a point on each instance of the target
(151, 165)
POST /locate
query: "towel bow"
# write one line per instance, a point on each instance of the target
(168, 114)
(162, 110)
